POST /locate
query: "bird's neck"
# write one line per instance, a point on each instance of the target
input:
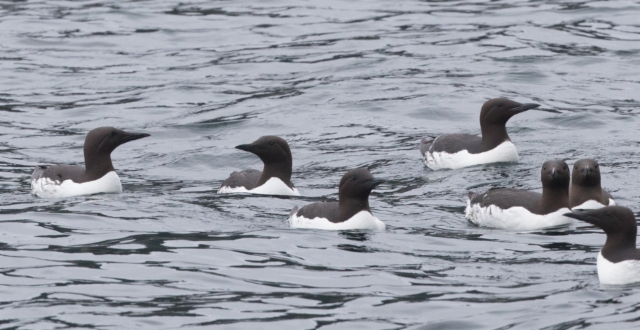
(554, 199)
(581, 194)
(348, 207)
(493, 136)
(281, 171)
(97, 165)
(620, 247)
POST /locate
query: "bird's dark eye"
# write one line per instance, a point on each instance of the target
(544, 168)
(354, 178)
(113, 133)
(565, 168)
(596, 167)
(271, 143)
(499, 105)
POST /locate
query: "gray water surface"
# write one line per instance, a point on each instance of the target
(348, 84)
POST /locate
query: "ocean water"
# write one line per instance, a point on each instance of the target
(348, 84)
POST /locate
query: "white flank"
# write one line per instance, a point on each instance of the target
(591, 204)
(273, 186)
(362, 220)
(506, 152)
(46, 188)
(229, 190)
(623, 272)
(514, 218)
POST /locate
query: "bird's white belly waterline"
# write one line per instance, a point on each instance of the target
(514, 218)
(623, 272)
(47, 188)
(361, 220)
(505, 152)
(591, 204)
(273, 186)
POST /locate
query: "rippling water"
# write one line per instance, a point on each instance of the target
(347, 84)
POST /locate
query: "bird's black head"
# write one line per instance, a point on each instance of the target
(555, 174)
(99, 144)
(105, 140)
(586, 173)
(271, 149)
(498, 111)
(614, 220)
(357, 184)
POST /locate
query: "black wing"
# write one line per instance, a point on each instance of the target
(452, 143)
(425, 145)
(59, 173)
(247, 179)
(505, 198)
(327, 210)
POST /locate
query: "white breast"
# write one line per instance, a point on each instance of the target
(514, 218)
(46, 188)
(591, 204)
(505, 152)
(273, 186)
(361, 220)
(624, 272)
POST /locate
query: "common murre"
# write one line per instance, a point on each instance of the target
(351, 211)
(454, 151)
(586, 191)
(98, 174)
(619, 260)
(274, 179)
(525, 210)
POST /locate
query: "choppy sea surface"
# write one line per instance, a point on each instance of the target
(348, 84)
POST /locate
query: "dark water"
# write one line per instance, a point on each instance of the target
(347, 84)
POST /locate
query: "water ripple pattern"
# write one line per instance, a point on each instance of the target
(348, 84)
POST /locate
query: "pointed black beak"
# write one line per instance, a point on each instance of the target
(582, 215)
(374, 182)
(246, 147)
(128, 137)
(524, 107)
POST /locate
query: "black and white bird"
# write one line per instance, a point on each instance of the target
(454, 151)
(619, 260)
(586, 191)
(517, 209)
(96, 176)
(274, 179)
(351, 211)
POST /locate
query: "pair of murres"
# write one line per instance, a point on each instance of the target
(351, 211)
(99, 176)
(517, 209)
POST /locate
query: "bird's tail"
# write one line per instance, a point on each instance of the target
(425, 144)
(293, 212)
